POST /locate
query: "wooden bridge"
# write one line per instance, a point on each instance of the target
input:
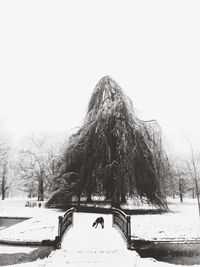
(84, 245)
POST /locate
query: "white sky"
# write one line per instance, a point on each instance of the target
(52, 54)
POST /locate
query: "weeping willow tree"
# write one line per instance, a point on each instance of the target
(114, 154)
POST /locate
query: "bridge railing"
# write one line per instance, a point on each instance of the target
(122, 222)
(64, 224)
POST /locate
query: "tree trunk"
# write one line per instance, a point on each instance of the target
(3, 195)
(181, 197)
(41, 190)
(89, 191)
(123, 197)
(79, 200)
(180, 191)
(115, 200)
(89, 197)
(3, 189)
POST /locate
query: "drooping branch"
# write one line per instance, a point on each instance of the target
(114, 153)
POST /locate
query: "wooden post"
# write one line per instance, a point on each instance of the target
(58, 237)
(60, 219)
(128, 220)
(64, 222)
(57, 242)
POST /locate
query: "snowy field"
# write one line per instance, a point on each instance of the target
(43, 223)
(86, 246)
(182, 222)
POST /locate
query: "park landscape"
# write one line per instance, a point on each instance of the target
(114, 160)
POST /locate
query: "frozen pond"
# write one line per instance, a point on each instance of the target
(20, 254)
(176, 253)
(9, 221)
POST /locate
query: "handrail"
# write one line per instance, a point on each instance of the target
(123, 223)
(120, 211)
(65, 222)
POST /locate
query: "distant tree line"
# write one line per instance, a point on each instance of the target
(29, 168)
(33, 168)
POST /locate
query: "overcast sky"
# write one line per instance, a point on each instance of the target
(52, 54)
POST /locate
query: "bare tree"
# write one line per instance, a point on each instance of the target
(4, 185)
(6, 179)
(181, 183)
(192, 167)
(25, 172)
(36, 165)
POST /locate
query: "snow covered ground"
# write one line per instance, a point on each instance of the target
(43, 223)
(86, 246)
(183, 222)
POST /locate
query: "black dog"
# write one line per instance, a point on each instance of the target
(99, 220)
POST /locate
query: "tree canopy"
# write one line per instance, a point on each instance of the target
(114, 154)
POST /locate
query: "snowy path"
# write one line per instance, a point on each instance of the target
(85, 246)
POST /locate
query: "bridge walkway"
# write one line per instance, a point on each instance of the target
(84, 245)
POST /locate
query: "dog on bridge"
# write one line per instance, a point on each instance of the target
(99, 220)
